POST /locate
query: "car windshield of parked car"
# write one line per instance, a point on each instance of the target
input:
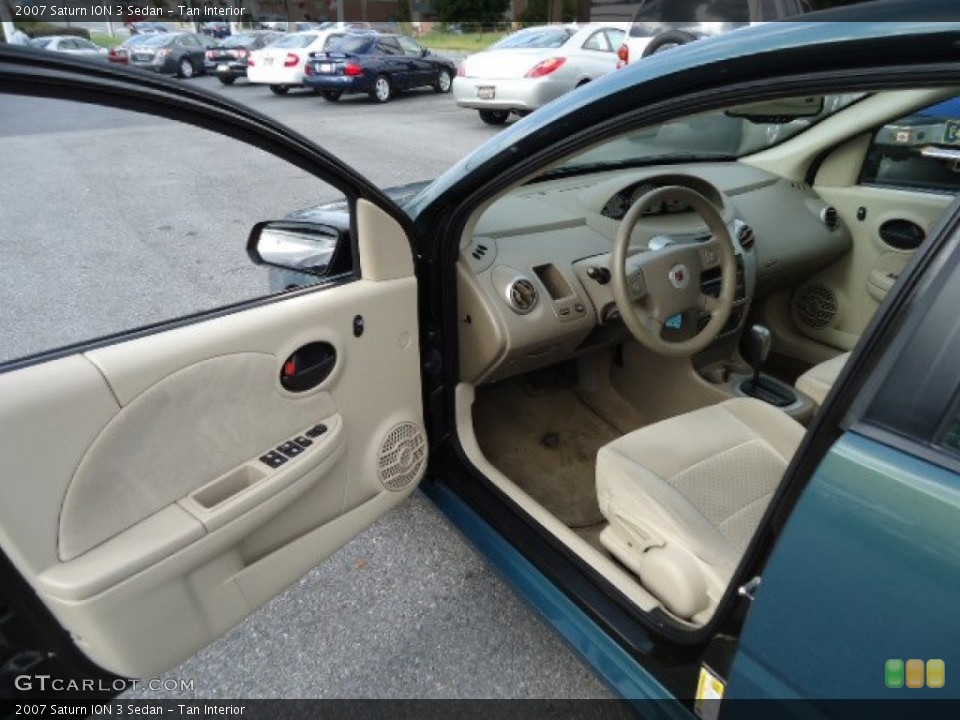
(297, 40)
(544, 37)
(238, 41)
(41, 42)
(720, 134)
(350, 44)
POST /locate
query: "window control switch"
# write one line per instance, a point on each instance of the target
(303, 442)
(290, 449)
(316, 431)
(273, 459)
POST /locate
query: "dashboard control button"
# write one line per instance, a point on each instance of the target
(600, 274)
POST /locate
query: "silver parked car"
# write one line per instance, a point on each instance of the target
(69, 44)
(533, 66)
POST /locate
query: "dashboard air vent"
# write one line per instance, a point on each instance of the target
(745, 237)
(521, 296)
(829, 217)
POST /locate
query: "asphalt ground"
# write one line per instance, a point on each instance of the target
(406, 610)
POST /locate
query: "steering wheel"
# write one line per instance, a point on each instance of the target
(653, 286)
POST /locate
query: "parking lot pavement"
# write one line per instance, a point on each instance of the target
(408, 609)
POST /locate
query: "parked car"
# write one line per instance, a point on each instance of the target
(380, 65)
(149, 28)
(533, 66)
(218, 30)
(121, 53)
(180, 54)
(657, 26)
(228, 61)
(282, 64)
(69, 44)
(561, 340)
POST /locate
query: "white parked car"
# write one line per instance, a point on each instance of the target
(533, 66)
(281, 64)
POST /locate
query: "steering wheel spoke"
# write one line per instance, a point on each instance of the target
(709, 303)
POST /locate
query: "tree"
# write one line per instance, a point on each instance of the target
(470, 11)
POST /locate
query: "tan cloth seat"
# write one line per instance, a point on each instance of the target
(684, 496)
(816, 382)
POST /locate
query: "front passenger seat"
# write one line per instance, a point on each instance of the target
(684, 497)
(816, 382)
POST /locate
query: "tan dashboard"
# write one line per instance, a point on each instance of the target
(533, 274)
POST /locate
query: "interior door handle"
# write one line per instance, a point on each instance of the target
(308, 366)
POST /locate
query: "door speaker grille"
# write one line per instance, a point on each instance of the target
(403, 456)
(815, 306)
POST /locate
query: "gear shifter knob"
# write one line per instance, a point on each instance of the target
(755, 346)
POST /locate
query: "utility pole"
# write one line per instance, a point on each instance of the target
(555, 11)
(340, 17)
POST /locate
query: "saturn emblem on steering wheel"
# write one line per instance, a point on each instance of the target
(679, 276)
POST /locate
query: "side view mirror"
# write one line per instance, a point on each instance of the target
(293, 245)
(425, 52)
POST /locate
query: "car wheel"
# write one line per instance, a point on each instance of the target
(331, 95)
(382, 91)
(226, 79)
(667, 40)
(279, 89)
(185, 68)
(494, 117)
(444, 82)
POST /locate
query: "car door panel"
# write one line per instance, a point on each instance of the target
(153, 504)
(136, 502)
(861, 279)
(831, 308)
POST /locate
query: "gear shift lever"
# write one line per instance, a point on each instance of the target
(755, 347)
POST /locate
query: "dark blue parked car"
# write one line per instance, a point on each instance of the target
(674, 353)
(380, 65)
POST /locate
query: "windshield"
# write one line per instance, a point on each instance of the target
(298, 40)
(238, 41)
(541, 37)
(707, 136)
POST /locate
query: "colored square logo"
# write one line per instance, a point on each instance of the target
(893, 670)
(915, 673)
(936, 673)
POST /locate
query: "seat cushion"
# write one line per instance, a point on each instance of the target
(816, 382)
(698, 482)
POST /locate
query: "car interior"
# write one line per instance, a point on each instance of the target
(647, 328)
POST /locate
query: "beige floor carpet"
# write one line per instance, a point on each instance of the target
(545, 441)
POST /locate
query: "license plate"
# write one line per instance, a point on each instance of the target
(951, 132)
(222, 67)
(268, 61)
(486, 93)
(326, 67)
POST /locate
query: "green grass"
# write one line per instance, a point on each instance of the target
(467, 42)
(105, 39)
